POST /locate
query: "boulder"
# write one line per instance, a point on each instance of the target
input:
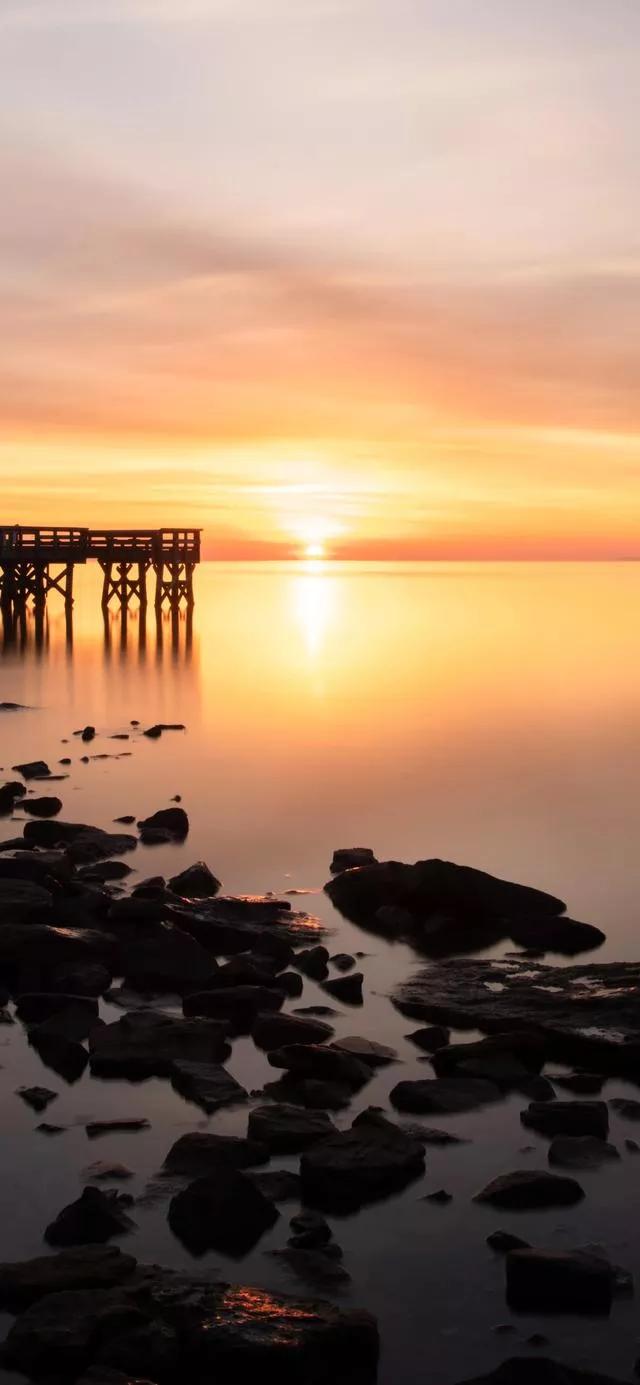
(9, 795)
(145, 1044)
(530, 1188)
(343, 961)
(84, 844)
(348, 857)
(287, 1129)
(375, 1055)
(289, 983)
(360, 1165)
(310, 1230)
(84, 1267)
(93, 1218)
(42, 807)
(168, 957)
(22, 900)
(443, 1094)
(102, 1171)
(172, 822)
(313, 1092)
(580, 1151)
(582, 1083)
(102, 871)
(207, 1084)
(315, 1060)
(312, 962)
(501, 1056)
(549, 1281)
(567, 1118)
(34, 1006)
(348, 989)
(224, 1212)
(236, 1006)
(626, 1107)
(196, 882)
(273, 1031)
(279, 1185)
(41, 867)
(563, 934)
(319, 1266)
(33, 769)
(199, 1153)
(430, 1038)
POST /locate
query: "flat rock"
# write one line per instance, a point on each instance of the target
(34, 1006)
(224, 1211)
(94, 1217)
(360, 1165)
(146, 1044)
(442, 1094)
(196, 882)
(104, 1172)
(45, 807)
(580, 1151)
(154, 732)
(567, 1118)
(83, 1267)
(33, 769)
(288, 1129)
(530, 1188)
(626, 1107)
(319, 1266)
(127, 1125)
(503, 1241)
(348, 857)
(84, 843)
(237, 1006)
(315, 1093)
(279, 1185)
(582, 1083)
(272, 1031)
(558, 1281)
(199, 1153)
(207, 1084)
(166, 958)
(348, 989)
(367, 1050)
(36, 1097)
(430, 1038)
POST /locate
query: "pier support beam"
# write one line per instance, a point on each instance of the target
(174, 583)
(126, 581)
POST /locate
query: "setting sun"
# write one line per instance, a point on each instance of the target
(314, 550)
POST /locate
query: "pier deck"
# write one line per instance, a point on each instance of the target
(37, 560)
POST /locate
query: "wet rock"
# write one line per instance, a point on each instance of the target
(327, 1064)
(273, 1031)
(247, 970)
(348, 857)
(289, 983)
(237, 1006)
(558, 1282)
(196, 882)
(125, 1126)
(207, 1084)
(46, 1128)
(163, 957)
(524, 1370)
(145, 1044)
(224, 1212)
(40, 867)
(503, 1241)
(430, 1135)
(83, 842)
(286, 1129)
(172, 821)
(343, 961)
(87, 734)
(441, 1196)
(580, 1151)
(36, 1097)
(279, 1185)
(10, 794)
(90, 979)
(375, 1055)
(531, 1188)
(153, 732)
(42, 807)
(320, 1267)
(199, 1153)
(22, 900)
(152, 1347)
(33, 769)
(632, 1146)
(442, 1094)
(312, 962)
(31, 954)
(84, 1267)
(73, 1020)
(104, 1172)
(626, 1107)
(567, 1118)
(315, 1094)
(103, 871)
(58, 1331)
(348, 989)
(310, 1230)
(126, 818)
(360, 1165)
(556, 935)
(14, 707)
(316, 1010)
(67, 1057)
(504, 1058)
(582, 1083)
(430, 1038)
(93, 1218)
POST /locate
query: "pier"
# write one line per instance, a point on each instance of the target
(35, 562)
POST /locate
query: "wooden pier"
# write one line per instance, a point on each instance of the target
(37, 561)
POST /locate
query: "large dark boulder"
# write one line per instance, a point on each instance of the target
(224, 1212)
(327, 1064)
(347, 857)
(93, 1218)
(567, 1118)
(144, 1044)
(165, 958)
(273, 1031)
(172, 822)
(443, 1094)
(85, 1267)
(552, 1281)
(367, 1051)
(286, 1129)
(84, 844)
(46, 807)
(360, 1165)
(348, 989)
(196, 882)
(199, 1153)
(580, 1151)
(237, 1006)
(22, 900)
(530, 1188)
(209, 1085)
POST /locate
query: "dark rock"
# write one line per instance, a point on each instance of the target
(237, 1006)
(246, 970)
(555, 934)
(348, 857)
(59, 1331)
(321, 1010)
(88, 733)
(580, 1151)
(67, 1057)
(207, 1084)
(41, 1005)
(360, 1165)
(42, 807)
(320, 1266)
(314, 1060)
(632, 1146)
(312, 962)
(375, 1055)
(14, 707)
(127, 1125)
(582, 1083)
(165, 957)
(196, 882)
(153, 732)
(93, 1218)
(558, 1282)
(104, 871)
(272, 1031)
(441, 1196)
(310, 1231)
(626, 1107)
(199, 1153)
(126, 818)
(567, 1118)
(46, 1128)
(145, 1044)
(346, 988)
(84, 844)
(84, 1267)
(429, 1135)
(531, 1188)
(432, 1037)
(22, 901)
(75, 1020)
(504, 1241)
(343, 961)
(36, 1097)
(503, 1058)
(442, 1094)
(279, 1185)
(91, 979)
(312, 1092)
(147, 1346)
(34, 769)
(172, 821)
(224, 1212)
(289, 983)
(525, 1370)
(104, 1172)
(287, 1129)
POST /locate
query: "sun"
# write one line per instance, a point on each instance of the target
(314, 550)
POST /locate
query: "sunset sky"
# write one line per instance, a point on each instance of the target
(359, 276)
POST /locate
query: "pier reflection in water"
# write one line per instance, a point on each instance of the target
(156, 633)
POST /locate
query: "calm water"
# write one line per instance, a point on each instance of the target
(488, 714)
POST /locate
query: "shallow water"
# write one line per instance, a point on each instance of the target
(488, 714)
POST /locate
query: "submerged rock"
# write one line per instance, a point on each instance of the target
(531, 1188)
(360, 1165)
(224, 1212)
(442, 1094)
(94, 1217)
(580, 1151)
(207, 1084)
(567, 1118)
(199, 1153)
(287, 1129)
(558, 1281)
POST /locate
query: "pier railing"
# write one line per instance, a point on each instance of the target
(28, 557)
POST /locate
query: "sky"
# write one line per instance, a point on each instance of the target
(351, 277)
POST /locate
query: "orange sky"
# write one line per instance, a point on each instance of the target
(361, 277)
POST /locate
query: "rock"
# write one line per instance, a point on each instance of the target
(273, 1031)
(65, 1056)
(357, 1166)
(585, 1014)
(443, 1094)
(14, 707)
(556, 934)
(153, 732)
(126, 818)
(531, 1188)
(504, 1241)
(375, 1055)
(146, 1346)
(207, 1084)
(34, 769)
(316, 1010)
(40, 867)
(310, 1231)
(36, 1097)
(22, 900)
(102, 871)
(84, 1267)
(507, 1059)
(58, 1331)
(42, 807)
(626, 1107)
(567, 1118)
(441, 1196)
(582, 1083)
(126, 1125)
(429, 1135)
(312, 1092)
(90, 979)
(172, 821)
(84, 844)
(558, 1281)
(246, 970)
(237, 1006)
(580, 1151)
(287, 1129)
(166, 957)
(346, 988)
(289, 983)
(327, 1064)
(196, 882)
(103, 1172)
(199, 1153)
(312, 962)
(146, 1044)
(94, 1217)
(430, 1038)
(88, 733)
(347, 857)
(223, 1212)
(632, 1146)
(46, 1128)
(343, 961)
(74, 1021)
(320, 1266)
(279, 1185)
(523, 1370)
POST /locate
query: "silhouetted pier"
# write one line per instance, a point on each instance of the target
(37, 561)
